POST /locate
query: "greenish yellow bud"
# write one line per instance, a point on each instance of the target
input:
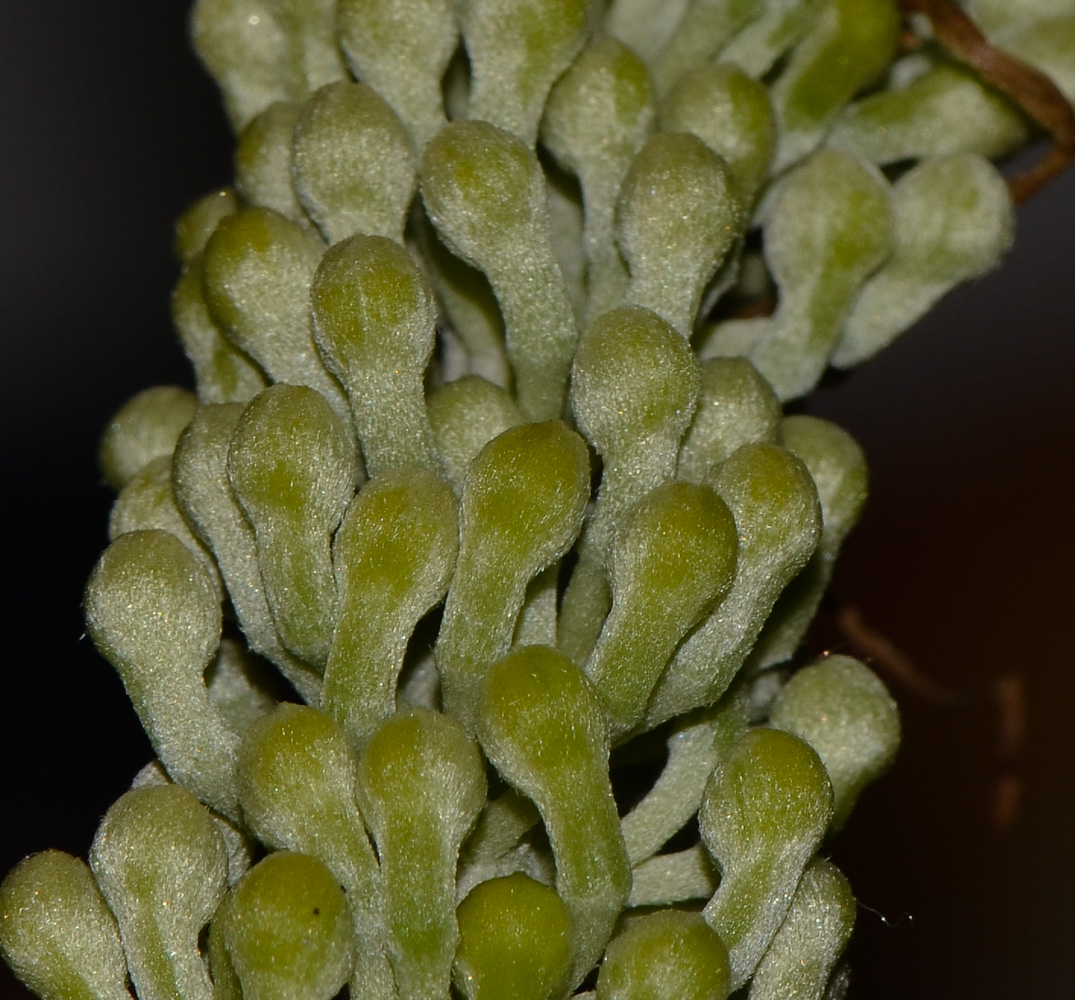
(954, 221)
(828, 228)
(374, 321)
(194, 227)
(778, 518)
(247, 52)
(57, 933)
(514, 941)
(541, 723)
(843, 710)
(421, 786)
(204, 495)
(293, 469)
(811, 939)
(222, 372)
(296, 779)
(705, 27)
(517, 48)
(633, 388)
(146, 427)
(732, 114)
(696, 743)
(736, 406)
(258, 268)
(672, 560)
(669, 953)
(153, 614)
(401, 49)
(765, 810)
(838, 468)
(485, 192)
(597, 117)
(677, 218)
(522, 507)
(354, 164)
(162, 865)
(395, 554)
(287, 930)
(944, 110)
(849, 46)
(465, 416)
(263, 161)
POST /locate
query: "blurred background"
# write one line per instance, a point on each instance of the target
(964, 560)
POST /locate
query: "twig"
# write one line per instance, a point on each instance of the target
(882, 652)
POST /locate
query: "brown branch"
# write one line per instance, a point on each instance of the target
(1011, 704)
(883, 653)
(1034, 92)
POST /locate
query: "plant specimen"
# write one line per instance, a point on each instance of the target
(489, 461)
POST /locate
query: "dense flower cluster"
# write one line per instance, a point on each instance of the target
(486, 508)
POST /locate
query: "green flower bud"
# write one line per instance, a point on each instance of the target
(841, 708)
(944, 110)
(297, 788)
(374, 321)
(677, 218)
(765, 810)
(633, 388)
(468, 305)
(777, 514)
(293, 469)
(146, 427)
(706, 26)
(736, 406)
(954, 222)
(246, 50)
(517, 48)
(696, 744)
(222, 373)
(838, 468)
(828, 228)
(849, 46)
(162, 866)
(514, 941)
(521, 509)
(286, 930)
(194, 227)
(485, 192)
(672, 560)
(811, 939)
(310, 26)
(57, 933)
(645, 25)
(597, 117)
(732, 114)
(764, 41)
(665, 954)
(152, 613)
(263, 161)
(147, 502)
(667, 879)
(542, 725)
(465, 416)
(401, 49)
(394, 554)
(354, 164)
(204, 495)
(258, 269)
(421, 786)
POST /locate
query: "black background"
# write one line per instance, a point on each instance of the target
(108, 128)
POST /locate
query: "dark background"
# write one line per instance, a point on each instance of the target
(108, 128)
